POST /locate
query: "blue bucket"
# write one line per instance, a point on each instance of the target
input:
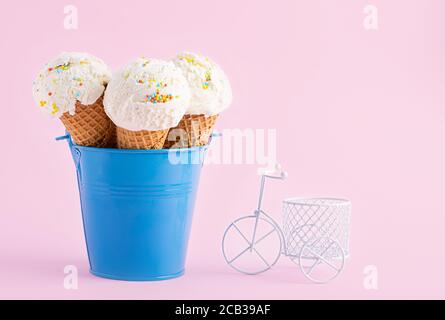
(137, 209)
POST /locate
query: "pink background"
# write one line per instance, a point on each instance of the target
(358, 114)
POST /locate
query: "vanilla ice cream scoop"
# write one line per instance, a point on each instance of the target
(147, 94)
(209, 86)
(69, 78)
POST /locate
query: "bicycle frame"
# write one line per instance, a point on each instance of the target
(259, 211)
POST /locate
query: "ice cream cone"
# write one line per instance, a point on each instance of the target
(211, 94)
(197, 129)
(143, 139)
(145, 100)
(90, 126)
(71, 87)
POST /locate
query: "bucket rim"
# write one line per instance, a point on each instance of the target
(133, 151)
(144, 151)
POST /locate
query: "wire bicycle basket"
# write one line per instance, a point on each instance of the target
(307, 219)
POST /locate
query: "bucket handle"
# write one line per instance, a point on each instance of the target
(59, 138)
(76, 157)
(216, 134)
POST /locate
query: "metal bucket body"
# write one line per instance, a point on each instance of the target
(137, 208)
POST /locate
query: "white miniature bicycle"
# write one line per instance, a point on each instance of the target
(315, 236)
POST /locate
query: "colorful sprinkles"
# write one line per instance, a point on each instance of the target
(208, 78)
(145, 63)
(55, 109)
(63, 67)
(59, 69)
(190, 59)
(157, 97)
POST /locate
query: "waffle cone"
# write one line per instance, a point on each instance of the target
(192, 131)
(143, 139)
(90, 126)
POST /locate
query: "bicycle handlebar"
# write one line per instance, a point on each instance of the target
(281, 176)
(276, 173)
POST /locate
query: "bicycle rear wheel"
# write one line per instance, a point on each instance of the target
(322, 259)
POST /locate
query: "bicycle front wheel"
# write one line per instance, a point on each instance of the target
(250, 257)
